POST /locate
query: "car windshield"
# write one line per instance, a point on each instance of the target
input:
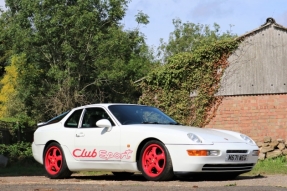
(137, 114)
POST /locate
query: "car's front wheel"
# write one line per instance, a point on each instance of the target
(55, 162)
(155, 162)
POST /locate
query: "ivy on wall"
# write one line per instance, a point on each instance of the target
(195, 73)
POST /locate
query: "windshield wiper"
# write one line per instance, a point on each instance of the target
(171, 123)
(175, 123)
(148, 122)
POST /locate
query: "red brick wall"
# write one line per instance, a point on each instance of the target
(256, 116)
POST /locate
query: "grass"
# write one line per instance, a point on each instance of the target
(93, 173)
(270, 166)
(19, 169)
(234, 184)
(31, 168)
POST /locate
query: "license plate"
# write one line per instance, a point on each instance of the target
(230, 157)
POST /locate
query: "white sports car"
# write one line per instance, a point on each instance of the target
(127, 138)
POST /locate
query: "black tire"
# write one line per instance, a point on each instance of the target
(123, 175)
(55, 162)
(155, 162)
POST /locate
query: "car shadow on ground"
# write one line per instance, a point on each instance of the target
(108, 177)
(218, 178)
(139, 177)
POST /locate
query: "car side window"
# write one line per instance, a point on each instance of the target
(74, 119)
(92, 115)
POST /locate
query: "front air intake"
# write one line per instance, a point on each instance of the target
(236, 151)
(228, 167)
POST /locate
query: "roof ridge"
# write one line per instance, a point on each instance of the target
(269, 21)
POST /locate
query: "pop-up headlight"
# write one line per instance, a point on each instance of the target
(194, 138)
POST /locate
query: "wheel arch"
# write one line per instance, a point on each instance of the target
(46, 145)
(141, 146)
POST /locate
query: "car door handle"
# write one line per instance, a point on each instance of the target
(80, 134)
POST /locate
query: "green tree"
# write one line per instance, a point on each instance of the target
(78, 52)
(188, 36)
(5, 43)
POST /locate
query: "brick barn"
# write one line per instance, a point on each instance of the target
(254, 86)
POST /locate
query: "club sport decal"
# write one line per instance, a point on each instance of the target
(103, 154)
(109, 155)
(83, 153)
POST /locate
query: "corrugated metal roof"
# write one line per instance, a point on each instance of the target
(269, 21)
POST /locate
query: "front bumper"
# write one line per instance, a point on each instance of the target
(183, 163)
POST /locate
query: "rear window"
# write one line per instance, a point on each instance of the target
(57, 118)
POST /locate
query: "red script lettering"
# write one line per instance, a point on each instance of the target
(84, 154)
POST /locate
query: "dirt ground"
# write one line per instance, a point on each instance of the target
(137, 182)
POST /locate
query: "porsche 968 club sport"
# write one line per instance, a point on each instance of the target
(126, 139)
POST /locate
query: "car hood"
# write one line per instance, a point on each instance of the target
(178, 133)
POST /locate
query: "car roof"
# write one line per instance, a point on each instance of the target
(104, 105)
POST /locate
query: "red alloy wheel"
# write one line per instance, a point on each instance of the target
(53, 160)
(153, 160)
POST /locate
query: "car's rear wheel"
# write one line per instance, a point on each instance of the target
(55, 162)
(155, 162)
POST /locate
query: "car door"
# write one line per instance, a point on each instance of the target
(94, 143)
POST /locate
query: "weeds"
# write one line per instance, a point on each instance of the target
(270, 166)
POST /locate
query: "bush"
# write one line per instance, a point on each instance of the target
(15, 130)
(18, 152)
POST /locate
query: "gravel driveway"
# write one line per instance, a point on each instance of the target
(137, 182)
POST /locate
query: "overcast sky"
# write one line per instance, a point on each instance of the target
(243, 15)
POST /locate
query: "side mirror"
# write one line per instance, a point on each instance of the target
(105, 124)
